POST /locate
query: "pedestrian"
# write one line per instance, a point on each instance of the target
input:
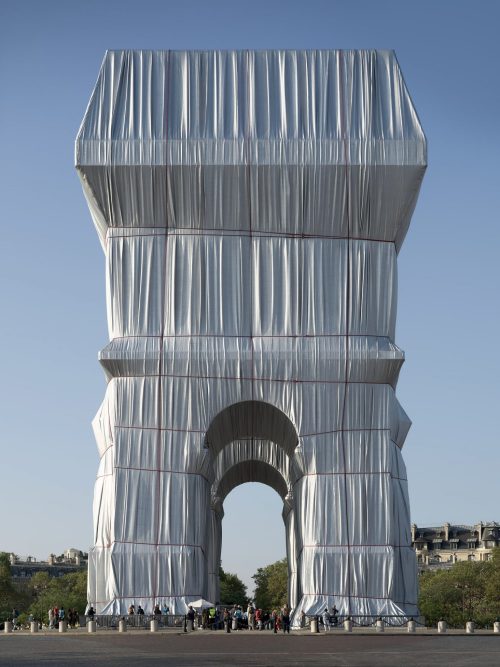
(227, 620)
(51, 618)
(326, 620)
(285, 619)
(131, 610)
(334, 616)
(251, 617)
(166, 612)
(275, 620)
(190, 617)
(239, 617)
(212, 614)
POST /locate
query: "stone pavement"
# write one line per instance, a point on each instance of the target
(259, 649)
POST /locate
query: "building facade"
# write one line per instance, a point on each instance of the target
(440, 547)
(72, 560)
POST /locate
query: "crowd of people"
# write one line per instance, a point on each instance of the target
(233, 618)
(253, 618)
(56, 616)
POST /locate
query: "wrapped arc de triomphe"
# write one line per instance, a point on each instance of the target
(251, 206)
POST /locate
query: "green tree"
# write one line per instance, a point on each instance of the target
(7, 593)
(492, 586)
(271, 585)
(11, 595)
(68, 591)
(468, 591)
(232, 589)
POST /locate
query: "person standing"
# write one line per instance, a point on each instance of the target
(227, 620)
(275, 620)
(190, 617)
(326, 620)
(251, 617)
(51, 618)
(285, 619)
(334, 620)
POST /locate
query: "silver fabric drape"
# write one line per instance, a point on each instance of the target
(251, 205)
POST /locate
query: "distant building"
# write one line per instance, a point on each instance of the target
(442, 546)
(73, 560)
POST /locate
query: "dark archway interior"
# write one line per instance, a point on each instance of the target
(252, 471)
(251, 419)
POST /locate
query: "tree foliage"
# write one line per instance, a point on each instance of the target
(10, 595)
(6, 588)
(232, 589)
(271, 585)
(68, 591)
(469, 591)
(40, 592)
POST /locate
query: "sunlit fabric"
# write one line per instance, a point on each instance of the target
(251, 205)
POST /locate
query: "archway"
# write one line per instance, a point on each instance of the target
(252, 441)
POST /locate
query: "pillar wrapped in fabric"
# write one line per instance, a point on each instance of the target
(251, 206)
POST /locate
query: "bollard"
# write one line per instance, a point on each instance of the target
(442, 627)
(348, 625)
(63, 626)
(154, 625)
(496, 627)
(33, 626)
(91, 626)
(379, 625)
(7, 627)
(122, 625)
(469, 627)
(412, 626)
(314, 625)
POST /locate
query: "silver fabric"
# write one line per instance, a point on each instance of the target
(251, 205)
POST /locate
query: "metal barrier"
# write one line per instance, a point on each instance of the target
(366, 621)
(178, 621)
(138, 621)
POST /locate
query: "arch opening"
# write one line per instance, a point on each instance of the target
(254, 532)
(252, 441)
(252, 471)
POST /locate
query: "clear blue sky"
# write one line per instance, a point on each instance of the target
(52, 268)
